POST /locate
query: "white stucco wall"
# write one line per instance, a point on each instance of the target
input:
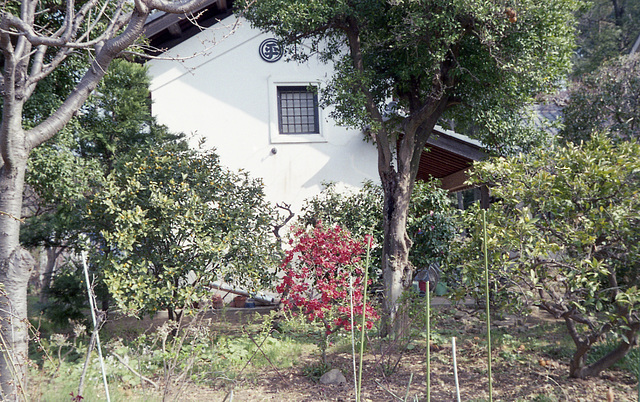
(226, 94)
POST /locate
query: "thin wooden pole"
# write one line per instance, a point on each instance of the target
(486, 283)
(364, 320)
(353, 338)
(428, 297)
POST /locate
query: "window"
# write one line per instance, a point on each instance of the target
(295, 115)
(297, 110)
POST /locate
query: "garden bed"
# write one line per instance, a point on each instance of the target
(529, 363)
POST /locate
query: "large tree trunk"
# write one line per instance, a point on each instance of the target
(15, 269)
(397, 177)
(397, 272)
(397, 185)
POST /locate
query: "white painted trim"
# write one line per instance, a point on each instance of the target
(274, 131)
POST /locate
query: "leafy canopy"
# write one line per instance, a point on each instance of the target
(114, 122)
(607, 30)
(487, 57)
(175, 222)
(608, 99)
(430, 223)
(564, 235)
(147, 203)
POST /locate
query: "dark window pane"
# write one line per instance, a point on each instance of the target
(297, 111)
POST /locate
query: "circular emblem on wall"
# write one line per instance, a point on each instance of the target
(270, 50)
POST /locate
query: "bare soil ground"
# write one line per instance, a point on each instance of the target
(519, 373)
(510, 384)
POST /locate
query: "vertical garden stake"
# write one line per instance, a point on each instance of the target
(486, 285)
(96, 329)
(364, 317)
(455, 368)
(428, 296)
(353, 337)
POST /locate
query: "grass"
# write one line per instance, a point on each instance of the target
(216, 353)
(60, 389)
(315, 370)
(209, 351)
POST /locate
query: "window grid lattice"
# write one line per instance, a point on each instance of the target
(298, 111)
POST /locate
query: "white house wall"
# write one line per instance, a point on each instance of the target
(226, 95)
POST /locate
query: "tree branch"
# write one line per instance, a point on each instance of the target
(106, 51)
(121, 360)
(286, 207)
(180, 7)
(352, 32)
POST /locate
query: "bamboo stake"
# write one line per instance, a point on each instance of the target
(364, 319)
(428, 299)
(486, 283)
(406, 396)
(353, 337)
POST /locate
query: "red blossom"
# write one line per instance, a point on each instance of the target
(318, 270)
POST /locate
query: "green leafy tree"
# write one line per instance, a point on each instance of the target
(38, 38)
(58, 179)
(607, 30)
(116, 121)
(565, 237)
(170, 222)
(486, 58)
(430, 224)
(608, 99)
(114, 128)
(113, 123)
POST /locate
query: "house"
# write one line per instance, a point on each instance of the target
(228, 85)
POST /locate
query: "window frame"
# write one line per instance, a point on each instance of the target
(276, 136)
(302, 111)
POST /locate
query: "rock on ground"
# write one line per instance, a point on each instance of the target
(332, 377)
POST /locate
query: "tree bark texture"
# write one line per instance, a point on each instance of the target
(29, 55)
(399, 152)
(45, 270)
(578, 367)
(398, 177)
(397, 272)
(15, 269)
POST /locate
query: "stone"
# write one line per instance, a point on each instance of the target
(333, 377)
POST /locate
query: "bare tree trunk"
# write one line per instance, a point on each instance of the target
(46, 274)
(173, 314)
(397, 272)
(15, 269)
(30, 54)
(576, 366)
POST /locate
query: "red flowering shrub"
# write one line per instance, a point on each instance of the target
(317, 277)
